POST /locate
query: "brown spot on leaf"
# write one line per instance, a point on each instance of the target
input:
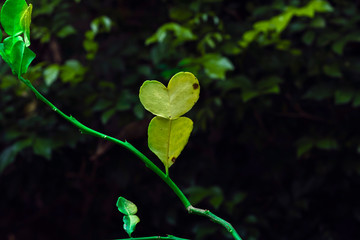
(195, 86)
(173, 159)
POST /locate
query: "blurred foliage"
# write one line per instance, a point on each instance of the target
(275, 148)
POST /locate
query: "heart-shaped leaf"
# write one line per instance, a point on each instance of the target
(168, 137)
(11, 14)
(126, 207)
(173, 101)
(130, 223)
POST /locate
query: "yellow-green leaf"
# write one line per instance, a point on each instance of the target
(168, 137)
(25, 23)
(173, 101)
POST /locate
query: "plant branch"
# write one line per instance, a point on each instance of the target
(169, 237)
(148, 163)
(216, 219)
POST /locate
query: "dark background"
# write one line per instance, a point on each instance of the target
(276, 140)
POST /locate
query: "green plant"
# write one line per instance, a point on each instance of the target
(168, 131)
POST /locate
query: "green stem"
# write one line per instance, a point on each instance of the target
(169, 237)
(216, 219)
(148, 163)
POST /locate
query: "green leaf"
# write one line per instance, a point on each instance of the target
(11, 15)
(72, 71)
(182, 34)
(327, 144)
(107, 115)
(332, 71)
(126, 207)
(20, 58)
(343, 96)
(139, 111)
(180, 13)
(6, 48)
(249, 94)
(356, 102)
(130, 223)
(42, 147)
(101, 24)
(304, 145)
(16, 54)
(51, 73)
(197, 194)
(338, 46)
(319, 92)
(308, 37)
(216, 65)
(272, 28)
(318, 22)
(167, 138)
(66, 31)
(3, 54)
(321, 6)
(25, 24)
(9, 154)
(173, 101)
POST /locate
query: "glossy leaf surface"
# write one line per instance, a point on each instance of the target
(130, 223)
(173, 101)
(126, 207)
(11, 15)
(167, 138)
(20, 58)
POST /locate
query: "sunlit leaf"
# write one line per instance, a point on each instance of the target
(126, 207)
(11, 15)
(20, 58)
(173, 101)
(16, 54)
(167, 138)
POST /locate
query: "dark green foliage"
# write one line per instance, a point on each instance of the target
(275, 128)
